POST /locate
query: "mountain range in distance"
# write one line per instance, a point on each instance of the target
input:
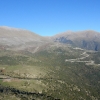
(22, 39)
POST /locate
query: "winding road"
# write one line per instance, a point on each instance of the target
(84, 55)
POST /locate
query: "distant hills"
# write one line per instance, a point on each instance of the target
(21, 39)
(84, 39)
(13, 36)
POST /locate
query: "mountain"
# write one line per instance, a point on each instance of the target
(33, 67)
(84, 39)
(13, 38)
(19, 39)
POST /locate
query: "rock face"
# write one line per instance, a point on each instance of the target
(84, 39)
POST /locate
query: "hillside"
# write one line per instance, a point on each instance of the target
(33, 67)
(84, 39)
(56, 73)
(19, 39)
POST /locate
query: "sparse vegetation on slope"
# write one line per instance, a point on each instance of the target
(47, 72)
(33, 67)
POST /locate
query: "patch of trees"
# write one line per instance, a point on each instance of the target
(24, 95)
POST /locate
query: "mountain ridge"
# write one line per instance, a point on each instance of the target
(84, 39)
(87, 39)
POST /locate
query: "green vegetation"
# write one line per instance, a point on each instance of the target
(46, 75)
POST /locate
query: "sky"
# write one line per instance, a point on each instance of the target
(49, 17)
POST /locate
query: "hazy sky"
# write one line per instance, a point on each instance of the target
(49, 17)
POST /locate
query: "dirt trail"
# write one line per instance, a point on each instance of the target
(84, 55)
(36, 49)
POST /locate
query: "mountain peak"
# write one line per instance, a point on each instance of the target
(87, 39)
(14, 37)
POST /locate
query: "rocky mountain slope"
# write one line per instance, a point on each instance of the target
(84, 39)
(19, 39)
(12, 38)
